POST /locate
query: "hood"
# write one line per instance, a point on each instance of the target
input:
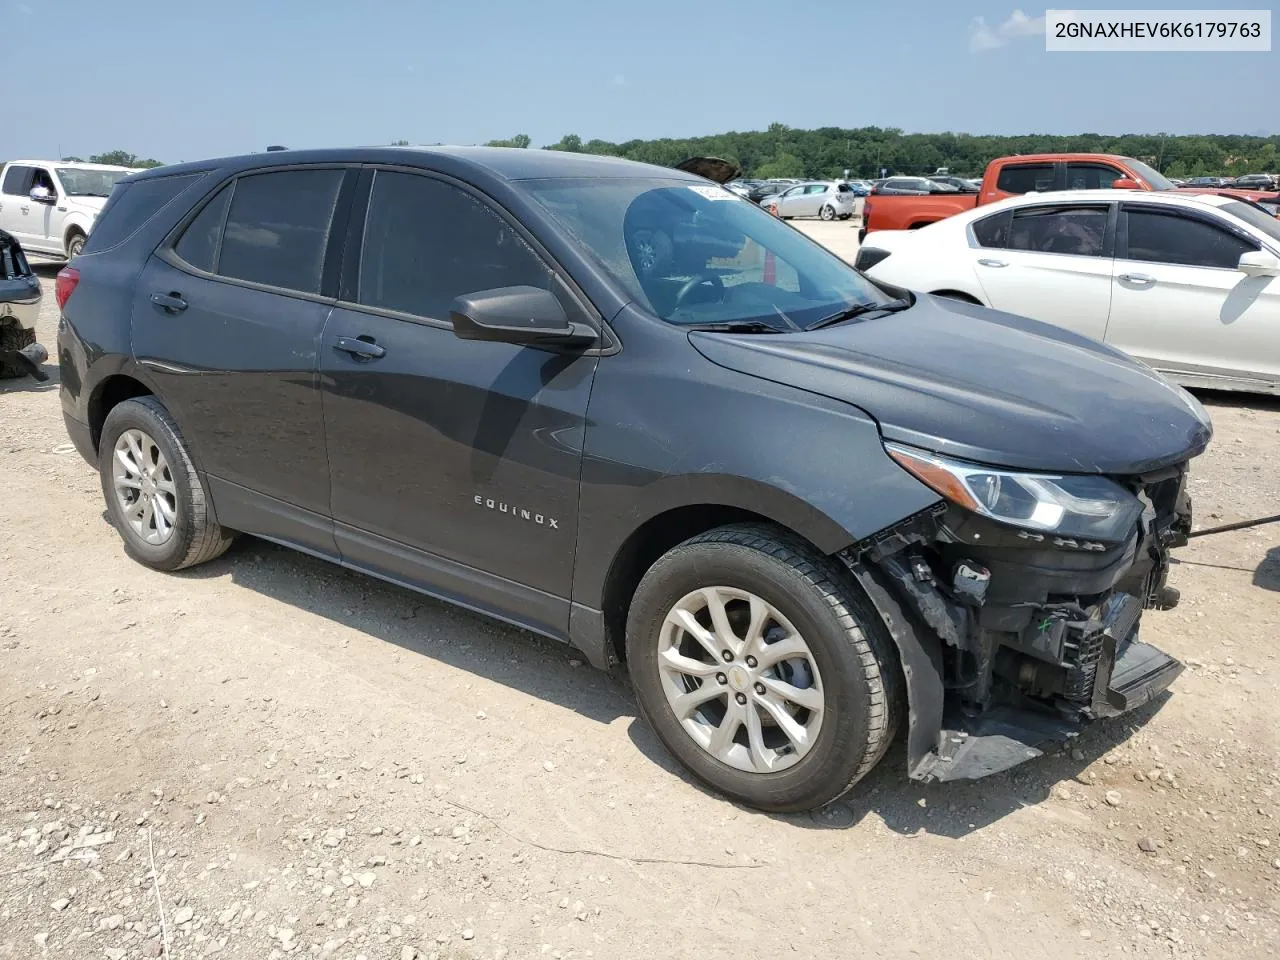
(983, 385)
(92, 205)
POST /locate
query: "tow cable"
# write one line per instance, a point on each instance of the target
(1234, 526)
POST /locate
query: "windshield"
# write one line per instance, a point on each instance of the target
(1255, 216)
(90, 183)
(695, 254)
(1155, 179)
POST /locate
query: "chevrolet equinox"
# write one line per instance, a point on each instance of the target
(617, 405)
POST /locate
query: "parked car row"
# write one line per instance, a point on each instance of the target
(1187, 283)
(1249, 181)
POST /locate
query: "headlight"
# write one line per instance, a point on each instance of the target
(1071, 505)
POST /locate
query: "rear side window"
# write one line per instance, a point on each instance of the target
(426, 242)
(16, 180)
(131, 205)
(1074, 230)
(278, 227)
(1172, 238)
(1025, 178)
(993, 231)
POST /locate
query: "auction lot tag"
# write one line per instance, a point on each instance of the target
(1157, 31)
(715, 193)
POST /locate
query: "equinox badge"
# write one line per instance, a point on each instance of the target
(518, 512)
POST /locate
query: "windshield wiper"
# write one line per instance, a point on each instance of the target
(736, 326)
(863, 310)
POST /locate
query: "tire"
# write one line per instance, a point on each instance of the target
(852, 663)
(75, 244)
(194, 537)
(12, 339)
(827, 212)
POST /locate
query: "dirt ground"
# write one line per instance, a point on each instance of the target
(269, 756)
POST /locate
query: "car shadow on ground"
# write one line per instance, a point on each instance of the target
(955, 809)
(1267, 576)
(542, 668)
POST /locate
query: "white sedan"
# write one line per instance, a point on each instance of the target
(1189, 284)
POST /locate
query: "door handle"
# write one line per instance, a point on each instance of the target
(362, 348)
(25, 209)
(170, 302)
(986, 262)
(1141, 279)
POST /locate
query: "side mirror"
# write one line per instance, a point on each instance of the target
(1124, 183)
(521, 315)
(42, 195)
(1257, 263)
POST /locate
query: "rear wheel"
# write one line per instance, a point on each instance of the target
(827, 212)
(762, 669)
(155, 498)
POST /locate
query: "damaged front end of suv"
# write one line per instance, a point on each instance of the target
(1015, 604)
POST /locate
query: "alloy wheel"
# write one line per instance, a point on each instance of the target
(741, 680)
(144, 487)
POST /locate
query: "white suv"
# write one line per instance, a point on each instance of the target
(50, 206)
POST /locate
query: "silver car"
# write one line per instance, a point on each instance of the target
(827, 199)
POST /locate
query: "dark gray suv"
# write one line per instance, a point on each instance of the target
(622, 407)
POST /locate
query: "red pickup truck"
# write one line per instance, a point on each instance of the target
(1041, 173)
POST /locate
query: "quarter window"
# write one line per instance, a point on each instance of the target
(427, 242)
(1170, 238)
(993, 231)
(1025, 178)
(1075, 230)
(199, 243)
(132, 206)
(278, 228)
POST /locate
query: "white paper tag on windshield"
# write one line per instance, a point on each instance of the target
(715, 193)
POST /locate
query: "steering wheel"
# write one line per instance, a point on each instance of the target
(706, 276)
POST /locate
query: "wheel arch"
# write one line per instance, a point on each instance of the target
(674, 523)
(106, 395)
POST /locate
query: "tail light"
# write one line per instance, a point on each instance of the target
(65, 285)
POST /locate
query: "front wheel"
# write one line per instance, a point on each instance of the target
(75, 244)
(155, 498)
(762, 668)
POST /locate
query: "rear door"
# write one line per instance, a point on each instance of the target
(227, 320)
(1180, 302)
(17, 208)
(455, 463)
(1051, 262)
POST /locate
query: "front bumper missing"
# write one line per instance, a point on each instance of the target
(996, 671)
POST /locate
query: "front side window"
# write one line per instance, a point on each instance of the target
(1092, 176)
(427, 242)
(278, 228)
(1078, 230)
(90, 183)
(1256, 216)
(695, 254)
(1025, 178)
(1172, 238)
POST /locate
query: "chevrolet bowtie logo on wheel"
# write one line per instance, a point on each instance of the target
(518, 512)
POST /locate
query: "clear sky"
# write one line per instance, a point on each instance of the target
(187, 79)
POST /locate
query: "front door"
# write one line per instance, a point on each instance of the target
(455, 463)
(1050, 263)
(227, 323)
(1181, 304)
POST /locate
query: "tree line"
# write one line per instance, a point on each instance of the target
(783, 151)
